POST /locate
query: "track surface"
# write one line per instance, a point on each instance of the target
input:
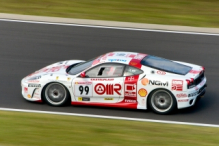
(28, 47)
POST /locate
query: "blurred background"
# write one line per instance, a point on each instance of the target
(201, 13)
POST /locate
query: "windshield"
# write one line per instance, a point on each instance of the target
(80, 67)
(165, 65)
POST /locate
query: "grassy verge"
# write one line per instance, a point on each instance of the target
(27, 129)
(201, 13)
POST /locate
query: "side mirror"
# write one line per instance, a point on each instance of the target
(83, 75)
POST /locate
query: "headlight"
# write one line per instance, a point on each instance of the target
(34, 78)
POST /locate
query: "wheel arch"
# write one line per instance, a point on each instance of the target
(147, 102)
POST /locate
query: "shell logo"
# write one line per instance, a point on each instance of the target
(144, 81)
(142, 92)
(29, 96)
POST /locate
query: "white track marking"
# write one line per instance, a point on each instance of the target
(111, 27)
(110, 117)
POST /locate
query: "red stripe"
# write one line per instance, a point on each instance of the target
(135, 61)
(118, 105)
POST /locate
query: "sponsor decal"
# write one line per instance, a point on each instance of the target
(46, 70)
(177, 85)
(83, 99)
(25, 89)
(130, 101)
(57, 77)
(108, 98)
(195, 71)
(28, 96)
(36, 94)
(142, 92)
(158, 83)
(130, 78)
(130, 90)
(202, 83)
(104, 57)
(143, 102)
(190, 87)
(103, 79)
(120, 54)
(36, 97)
(144, 81)
(96, 61)
(33, 81)
(131, 55)
(196, 88)
(181, 95)
(108, 89)
(161, 72)
(130, 86)
(192, 94)
(68, 79)
(117, 60)
(110, 54)
(83, 89)
(183, 100)
(34, 85)
(139, 56)
(83, 83)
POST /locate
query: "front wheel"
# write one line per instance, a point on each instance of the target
(162, 102)
(56, 94)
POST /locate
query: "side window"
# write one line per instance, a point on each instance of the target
(106, 70)
(129, 71)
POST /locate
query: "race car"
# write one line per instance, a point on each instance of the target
(118, 79)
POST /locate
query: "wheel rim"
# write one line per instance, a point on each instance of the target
(55, 93)
(161, 101)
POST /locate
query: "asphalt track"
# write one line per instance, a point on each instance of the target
(26, 47)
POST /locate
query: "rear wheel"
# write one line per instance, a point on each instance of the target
(56, 94)
(162, 102)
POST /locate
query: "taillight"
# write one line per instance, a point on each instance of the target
(190, 83)
(192, 80)
(203, 68)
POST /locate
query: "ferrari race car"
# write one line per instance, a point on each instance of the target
(118, 79)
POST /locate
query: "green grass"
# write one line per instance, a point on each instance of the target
(28, 129)
(202, 13)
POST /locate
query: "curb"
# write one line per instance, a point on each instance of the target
(109, 23)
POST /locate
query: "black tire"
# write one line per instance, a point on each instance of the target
(162, 102)
(55, 94)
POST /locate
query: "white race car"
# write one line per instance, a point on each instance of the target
(118, 79)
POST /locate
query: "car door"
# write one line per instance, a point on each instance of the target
(102, 84)
(132, 75)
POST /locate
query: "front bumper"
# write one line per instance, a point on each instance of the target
(30, 93)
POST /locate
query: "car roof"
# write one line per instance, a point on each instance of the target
(130, 58)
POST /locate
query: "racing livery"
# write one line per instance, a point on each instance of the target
(118, 79)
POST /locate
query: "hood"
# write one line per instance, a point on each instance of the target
(56, 68)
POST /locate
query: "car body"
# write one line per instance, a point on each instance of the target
(118, 79)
